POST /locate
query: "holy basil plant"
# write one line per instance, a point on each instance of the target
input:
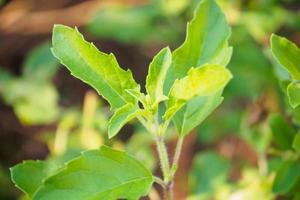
(182, 87)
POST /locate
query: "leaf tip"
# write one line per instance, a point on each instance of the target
(273, 38)
(111, 133)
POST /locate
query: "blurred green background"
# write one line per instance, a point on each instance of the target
(47, 114)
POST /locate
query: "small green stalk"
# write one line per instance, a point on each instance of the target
(168, 172)
(163, 157)
(176, 157)
(160, 182)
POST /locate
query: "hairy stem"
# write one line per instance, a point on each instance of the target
(168, 172)
(168, 192)
(163, 157)
(173, 169)
(176, 156)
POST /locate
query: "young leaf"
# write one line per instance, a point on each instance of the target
(137, 95)
(286, 177)
(28, 176)
(202, 81)
(293, 93)
(282, 131)
(157, 73)
(121, 117)
(98, 174)
(96, 68)
(206, 42)
(287, 54)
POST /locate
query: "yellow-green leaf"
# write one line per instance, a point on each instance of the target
(201, 81)
(206, 80)
(157, 73)
(206, 42)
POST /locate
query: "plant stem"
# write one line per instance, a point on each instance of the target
(178, 150)
(160, 182)
(176, 157)
(168, 193)
(163, 157)
(168, 172)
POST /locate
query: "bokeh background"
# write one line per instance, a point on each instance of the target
(45, 113)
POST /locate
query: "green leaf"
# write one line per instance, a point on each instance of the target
(121, 117)
(96, 68)
(157, 73)
(286, 177)
(98, 174)
(293, 93)
(136, 94)
(173, 106)
(195, 112)
(296, 143)
(206, 42)
(287, 54)
(202, 81)
(28, 176)
(283, 133)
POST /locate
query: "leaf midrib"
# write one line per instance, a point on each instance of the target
(125, 183)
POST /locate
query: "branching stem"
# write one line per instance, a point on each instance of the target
(158, 130)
